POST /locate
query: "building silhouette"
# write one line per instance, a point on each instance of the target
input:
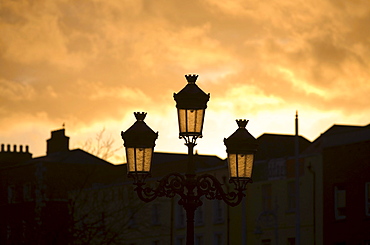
(334, 190)
(35, 192)
(73, 197)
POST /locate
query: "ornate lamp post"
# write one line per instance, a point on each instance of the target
(139, 141)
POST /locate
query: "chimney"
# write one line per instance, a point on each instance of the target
(58, 142)
(15, 156)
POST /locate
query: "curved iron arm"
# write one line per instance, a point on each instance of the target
(210, 187)
(168, 186)
(196, 186)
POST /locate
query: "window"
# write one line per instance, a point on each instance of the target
(180, 240)
(24, 229)
(101, 224)
(367, 198)
(217, 239)
(8, 232)
(291, 240)
(11, 194)
(156, 214)
(180, 216)
(199, 240)
(199, 216)
(131, 193)
(291, 196)
(276, 169)
(266, 197)
(27, 192)
(340, 202)
(131, 218)
(266, 242)
(123, 193)
(218, 211)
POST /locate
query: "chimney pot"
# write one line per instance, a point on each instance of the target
(58, 142)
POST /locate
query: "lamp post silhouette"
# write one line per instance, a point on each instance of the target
(139, 141)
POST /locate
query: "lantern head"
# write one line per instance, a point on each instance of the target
(191, 103)
(139, 141)
(241, 147)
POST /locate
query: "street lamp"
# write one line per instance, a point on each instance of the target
(240, 147)
(139, 141)
(191, 104)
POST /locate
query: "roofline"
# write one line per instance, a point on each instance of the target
(39, 158)
(352, 127)
(185, 154)
(286, 135)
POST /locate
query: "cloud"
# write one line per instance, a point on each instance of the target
(90, 62)
(11, 91)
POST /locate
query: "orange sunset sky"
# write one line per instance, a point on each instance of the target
(91, 64)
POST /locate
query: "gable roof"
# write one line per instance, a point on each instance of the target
(339, 135)
(76, 156)
(278, 145)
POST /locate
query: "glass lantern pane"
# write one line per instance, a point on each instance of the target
(130, 156)
(182, 119)
(232, 165)
(148, 153)
(199, 120)
(245, 164)
(139, 159)
(143, 158)
(240, 165)
(191, 120)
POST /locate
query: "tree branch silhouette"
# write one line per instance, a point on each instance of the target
(101, 146)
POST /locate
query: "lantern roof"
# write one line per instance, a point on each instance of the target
(139, 134)
(241, 141)
(191, 96)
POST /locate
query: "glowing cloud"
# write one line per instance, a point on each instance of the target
(90, 64)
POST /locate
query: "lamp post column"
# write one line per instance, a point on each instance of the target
(190, 204)
(190, 213)
(191, 164)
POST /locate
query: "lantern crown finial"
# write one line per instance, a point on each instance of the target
(140, 116)
(242, 123)
(191, 78)
(241, 141)
(191, 96)
(139, 135)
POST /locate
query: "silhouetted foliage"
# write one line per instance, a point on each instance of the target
(101, 146)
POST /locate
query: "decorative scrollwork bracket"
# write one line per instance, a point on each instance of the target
(191, 188)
